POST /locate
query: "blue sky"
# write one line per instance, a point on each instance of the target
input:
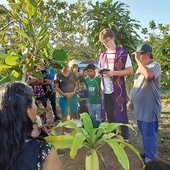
(143, 10)
(147, 10)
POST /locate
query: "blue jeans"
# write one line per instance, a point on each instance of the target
(149, 131)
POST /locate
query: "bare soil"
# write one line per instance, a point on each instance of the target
(110, 160)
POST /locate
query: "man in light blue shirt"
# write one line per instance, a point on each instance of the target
(146, 99)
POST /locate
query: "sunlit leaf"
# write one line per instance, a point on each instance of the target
(21, 46)
(88, 125)
(92, 161)
(12, 60)
(2, 66)
(112, 126)
(14, 74)
(31, 8)
(135, 151)
(77, 142)
(120, 153)
(60, 142)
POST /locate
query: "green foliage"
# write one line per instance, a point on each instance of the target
(162, 53)
(9, 67)
(32, 42)
(41, 110)
(159, 38)
(59, 55)
(41, 28)
(65, 26)
(93, 138)
(115, 16)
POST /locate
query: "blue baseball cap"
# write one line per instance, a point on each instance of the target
(144, 48)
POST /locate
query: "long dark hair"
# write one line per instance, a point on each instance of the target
(15, 125)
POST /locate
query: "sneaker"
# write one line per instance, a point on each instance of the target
(57, 118)
(142, 155)
(61, 152)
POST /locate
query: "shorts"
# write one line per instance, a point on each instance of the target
(71, 103)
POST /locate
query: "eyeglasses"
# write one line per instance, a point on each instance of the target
(104, 42)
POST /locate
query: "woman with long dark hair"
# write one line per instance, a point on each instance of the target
(18, 150)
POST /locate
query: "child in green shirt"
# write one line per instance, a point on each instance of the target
(94, 99)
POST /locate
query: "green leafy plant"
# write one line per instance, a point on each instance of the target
(93, 138)
(31, 43)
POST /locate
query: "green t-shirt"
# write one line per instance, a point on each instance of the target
(94, 90)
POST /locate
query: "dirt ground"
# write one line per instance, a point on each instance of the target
(110, 160)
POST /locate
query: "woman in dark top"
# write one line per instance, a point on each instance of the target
(66, 85)
(18, 151)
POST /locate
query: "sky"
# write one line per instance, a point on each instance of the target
(147, 10)
(143, 10)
